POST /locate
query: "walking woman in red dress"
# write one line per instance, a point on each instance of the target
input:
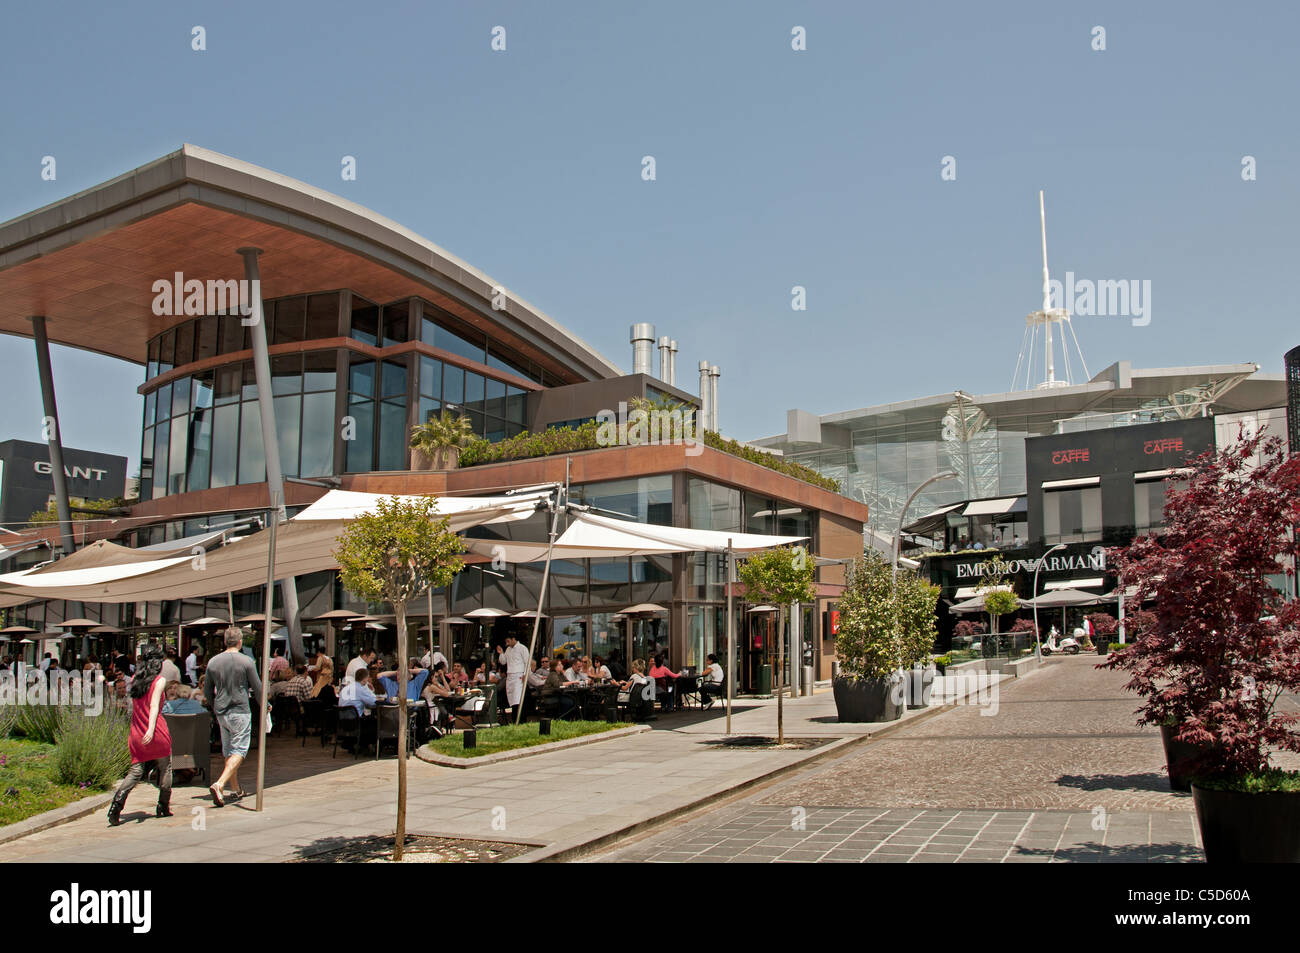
(150, 743)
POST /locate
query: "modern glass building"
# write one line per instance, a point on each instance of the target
(881, 454)
(370, 330)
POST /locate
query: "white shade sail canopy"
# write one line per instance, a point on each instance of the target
(105, 572)
(593, 537)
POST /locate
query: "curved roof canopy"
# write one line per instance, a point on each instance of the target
(88, 262)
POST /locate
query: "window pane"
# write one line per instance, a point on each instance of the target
(467, 344)
(290, 313)
(287, 410)
(362, 378)
(161, 440)
(146, 465)
(232, 334)
(429, 408)
(166, 348)
(365, 321)
(430, 377)
(322, 317)
(200, 453)
(152, 369)
(181, 396)
(392, 435)
(206, 342)
(319, 371)
(393, 379)
(453, 385)
(229, 380)
(164, 402)
(252, 456)
(150, 402)
(176, 457)
(396, 321)
(286, 374)
(711, 506)
(249, 390)
(225, 444)
(473, 391)
(201, 390)
(647, 499)
(610, 583)
(360, 452)
(317, 435)
(184, 353)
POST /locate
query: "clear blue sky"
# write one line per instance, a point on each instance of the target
(775, 168)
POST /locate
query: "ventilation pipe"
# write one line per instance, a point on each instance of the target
(705, 411)
(714, 374)
(672, 364)
(643, 345)
(663, 359)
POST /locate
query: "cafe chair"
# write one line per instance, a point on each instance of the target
(709, 691)
(191, 746)
(348, 728)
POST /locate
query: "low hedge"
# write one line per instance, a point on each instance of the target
(557, 440)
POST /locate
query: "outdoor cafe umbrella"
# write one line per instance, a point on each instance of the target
(530, 614)
(486, 613)
(1063, 598)
(642, 608)
(339, 616)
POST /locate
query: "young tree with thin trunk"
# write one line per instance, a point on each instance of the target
(785, 577)
(395, 554)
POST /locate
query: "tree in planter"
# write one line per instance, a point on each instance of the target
(868, 643)
(394, 554)
(784, 577)
(916, 600)
(999, 599)
(442, 438)
(1224, 645)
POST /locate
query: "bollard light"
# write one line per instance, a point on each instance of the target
(470, 738)
(544, 726)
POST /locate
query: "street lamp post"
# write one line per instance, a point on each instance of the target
(898, 533)
(898, 536)
(1038, 640)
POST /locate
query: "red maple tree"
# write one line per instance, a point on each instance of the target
(1224, 644)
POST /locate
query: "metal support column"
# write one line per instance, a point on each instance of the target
(51, 433)
(270, 441)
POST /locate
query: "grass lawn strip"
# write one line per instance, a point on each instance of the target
(27, 781)
(510, 737)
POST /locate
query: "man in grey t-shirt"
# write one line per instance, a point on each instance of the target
(231, 680)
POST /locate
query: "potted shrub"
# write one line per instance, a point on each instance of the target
(1104, 627)
(869, 686)
(1225, 645)
(941, 663)
(997, 603)
(916, 599)
(436, 444)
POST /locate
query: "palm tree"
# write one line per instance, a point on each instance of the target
(441, 438)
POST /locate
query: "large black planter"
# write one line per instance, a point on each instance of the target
(867, 699)
(920, 686)
(1179, 757)
(1239, 828)
(1103, 645)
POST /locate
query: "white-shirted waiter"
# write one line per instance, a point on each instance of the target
(515, 658)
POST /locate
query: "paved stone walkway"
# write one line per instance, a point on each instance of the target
(1051, 768)
(557, 800)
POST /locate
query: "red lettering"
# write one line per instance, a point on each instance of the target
(1069, 456)
(1164, 445)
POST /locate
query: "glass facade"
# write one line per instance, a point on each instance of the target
(204, 430)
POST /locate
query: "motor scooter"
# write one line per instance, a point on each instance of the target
(1067, 645)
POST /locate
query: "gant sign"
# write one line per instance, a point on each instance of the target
(44, 468)
(1094, 561)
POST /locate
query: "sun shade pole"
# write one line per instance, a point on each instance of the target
(730, 674)
(560, 494)
(266, 648)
